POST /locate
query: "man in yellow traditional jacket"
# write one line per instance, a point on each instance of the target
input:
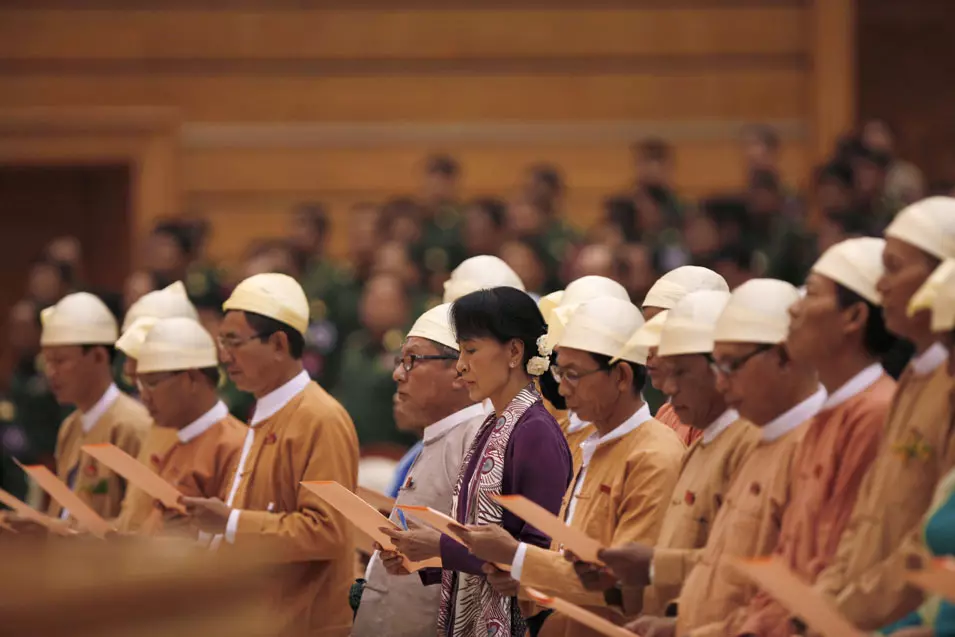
(713, 461)
(557, 307)
(298, 432)
(628, 468)
(780, 396)
(866, 577)
(666, 293)
(178, 373)
(168, 302)
(77, 341)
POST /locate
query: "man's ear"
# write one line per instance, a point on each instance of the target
(855, 317)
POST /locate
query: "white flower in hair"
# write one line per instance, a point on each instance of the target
(543, 348)
(537, 365)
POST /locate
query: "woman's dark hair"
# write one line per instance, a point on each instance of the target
(639, 371)
(876, 338)
(266, 326)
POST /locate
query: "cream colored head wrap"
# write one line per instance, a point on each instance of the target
(603, 326)
(646, 337)
(938, 295)
(548, 303)
(691, 323)
(168, 302)
(855, 264)
(677, 283)
(78, 319)
(435, 325)
(929, 225)
(133, 337)
(586, 288)
(757, 312)
(175, 344)
(480, 273)
(274, 295)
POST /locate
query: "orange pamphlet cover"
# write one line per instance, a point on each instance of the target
(363, 515)
(938, 578)
(574, 540)
(578, 614)
(79, 510)
(29, 513)
(136, 473)
(799, 598)
(376, 499)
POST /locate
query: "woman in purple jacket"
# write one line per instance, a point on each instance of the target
(519, 450)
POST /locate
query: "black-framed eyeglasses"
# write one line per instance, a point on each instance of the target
(231, 343)
(143, 383)
(408, 361)
(572, 376)
(730, 367)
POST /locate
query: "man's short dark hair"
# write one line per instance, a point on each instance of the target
(110, 350)
(266, 326)
(549, 175)
(653, 149)
(316, 215)
(179, 233)
(443, 165)
(837, 171)
(495, 209)
(765, 180)
(639, 371)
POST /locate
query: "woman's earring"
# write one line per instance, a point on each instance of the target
(513, 364)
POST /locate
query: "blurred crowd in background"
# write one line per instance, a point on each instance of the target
(401, 251)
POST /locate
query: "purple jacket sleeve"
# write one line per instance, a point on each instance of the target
(537, 465)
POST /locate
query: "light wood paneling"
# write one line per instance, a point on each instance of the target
(236, 36)
(442, 98)
(700, 166)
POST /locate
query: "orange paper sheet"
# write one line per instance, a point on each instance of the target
(939, 578)
(574, 540)
(444, 523)
(578, 614)
(796, 596)
(136, 473)
(79, 510)
(363, 515)
(29, 513)
(376, 499)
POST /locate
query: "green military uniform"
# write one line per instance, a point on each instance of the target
(204, 285)
(366, 388)
(30, 419)
(787, 251)
(553, 246)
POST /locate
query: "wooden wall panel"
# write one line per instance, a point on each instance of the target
(443, 98)
(701, 166)
(237, 36)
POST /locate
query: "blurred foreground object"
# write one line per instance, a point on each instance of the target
(132, 587)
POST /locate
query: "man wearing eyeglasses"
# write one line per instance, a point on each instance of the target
(297, 432)
(757, 378)
(177, 377)
(431, 402)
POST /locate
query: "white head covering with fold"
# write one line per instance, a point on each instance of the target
(757, 312)
(647, 336)
(175, 344)
(929, 225)
(277, 296)
(480, 273)
(677, 283)
(168, 302)
(602, 326)
(691, 323)
(133, 337)
(586, 288)
(855, 264)
(435, 325)
(937, 294)
(78, 319)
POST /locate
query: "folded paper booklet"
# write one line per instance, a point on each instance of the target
(79, 510)
(574, 540)
(580, 615)
(136, 473)
(938, 578)
(29, 513)
(376, 499)
(799, 598)
(442, 522)
(364, 516)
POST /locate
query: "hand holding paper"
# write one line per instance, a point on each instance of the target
(28, 513)
(79, 510)
(578, 614)
(491, 543)
(418, 543)
(584, 546)
(136, 474)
